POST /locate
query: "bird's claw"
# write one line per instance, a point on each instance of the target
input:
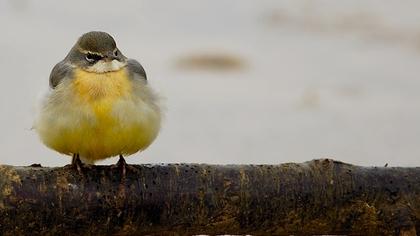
(122, 165)
(77, 163)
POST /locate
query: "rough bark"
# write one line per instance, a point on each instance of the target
(316, 197)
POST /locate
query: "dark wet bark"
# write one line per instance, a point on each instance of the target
(321, 196)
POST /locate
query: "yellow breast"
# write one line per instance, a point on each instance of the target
(101, 90)
(99, 115)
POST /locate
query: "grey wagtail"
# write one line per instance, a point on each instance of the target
(99, 104)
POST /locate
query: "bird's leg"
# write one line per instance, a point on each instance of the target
(75, 158)
(76, 162)
(122, 165)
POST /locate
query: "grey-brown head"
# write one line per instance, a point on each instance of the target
(97, 52)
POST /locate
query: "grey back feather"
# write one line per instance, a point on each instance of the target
(136, 70)
(60, 71)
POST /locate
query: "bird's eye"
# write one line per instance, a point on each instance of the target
(91, 57)
(116, 53)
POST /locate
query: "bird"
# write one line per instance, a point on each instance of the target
(99, 103)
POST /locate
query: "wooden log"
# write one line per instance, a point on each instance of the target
(316, 197)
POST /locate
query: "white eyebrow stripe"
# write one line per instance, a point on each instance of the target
(87, 51)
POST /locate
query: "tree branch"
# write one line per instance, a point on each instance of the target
(316, 197)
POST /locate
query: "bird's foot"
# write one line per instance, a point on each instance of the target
(122, 165)
(77, 163)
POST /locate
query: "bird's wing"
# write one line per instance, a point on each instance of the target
(136, 70)
(59, 72)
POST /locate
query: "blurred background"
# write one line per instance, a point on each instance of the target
(243, 81)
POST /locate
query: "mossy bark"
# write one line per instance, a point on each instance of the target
(316, 197)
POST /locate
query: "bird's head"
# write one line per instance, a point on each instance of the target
(97, 52)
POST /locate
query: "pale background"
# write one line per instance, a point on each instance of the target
(312, 78)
